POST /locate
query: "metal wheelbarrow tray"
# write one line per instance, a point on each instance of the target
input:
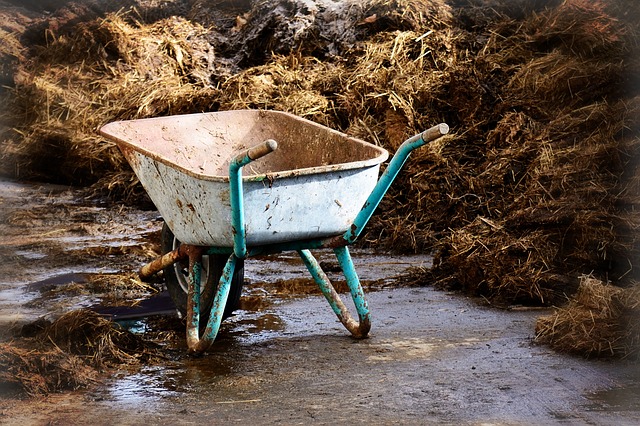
(305, 186)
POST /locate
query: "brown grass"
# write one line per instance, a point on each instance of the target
(37, 372)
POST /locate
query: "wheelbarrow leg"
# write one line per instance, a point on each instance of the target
(195, 343)
(359, 329)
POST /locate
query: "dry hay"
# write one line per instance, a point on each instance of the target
(290, 83)
(535, 187)
(601, 320)
(554, 174)
(122, 288)
(484, 258)
(68, 353)
(40, 371)
(11, 52)
(105, 69)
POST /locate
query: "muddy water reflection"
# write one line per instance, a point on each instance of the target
(264, 319)
(270, 281)
(147, 386)
(253, 327)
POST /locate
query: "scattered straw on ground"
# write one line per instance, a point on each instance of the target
(600, 321)
(69, 353)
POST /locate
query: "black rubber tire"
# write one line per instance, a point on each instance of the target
(176, 277)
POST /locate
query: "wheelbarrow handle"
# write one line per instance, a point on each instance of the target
(423, 138)
(387, 178)
(435, 132)
(235, 192)
(263, 149)
(254, 153)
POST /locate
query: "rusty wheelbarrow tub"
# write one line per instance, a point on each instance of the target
(234, 184)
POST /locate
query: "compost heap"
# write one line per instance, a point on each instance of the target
(530, 200)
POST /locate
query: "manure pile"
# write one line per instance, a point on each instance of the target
(536, 187)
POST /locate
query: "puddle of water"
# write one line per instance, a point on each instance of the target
(285, 274)
(12, 311)
(13, 297)
(254, 327)
(56, 280)
(51, 295)
(153, 385)
(30, 255)
(616, 399)
(143, 388)
(268, 282)
(39, 297)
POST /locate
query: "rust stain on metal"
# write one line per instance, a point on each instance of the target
(192, 252)
(129, 155)
(335, 242)
(224, 196)
(270, 178)
(183, 252)
(195, 256)
(162, 262)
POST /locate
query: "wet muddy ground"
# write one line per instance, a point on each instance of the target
(432, 357)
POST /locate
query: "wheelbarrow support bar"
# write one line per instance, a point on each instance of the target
(168, 259)
(387, 178)
(195, 343)
(359, 329)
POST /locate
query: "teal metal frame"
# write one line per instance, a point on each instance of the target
(360, 328)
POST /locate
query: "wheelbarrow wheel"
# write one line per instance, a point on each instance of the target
(177, 280)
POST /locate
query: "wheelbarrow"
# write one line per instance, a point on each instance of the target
(235, 184)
